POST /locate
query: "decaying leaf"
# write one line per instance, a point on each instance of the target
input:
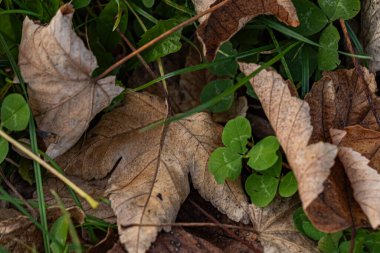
(149, 170)
(344, 102)
(18, 233)
(358, 149)
(275, 227)
(62, 94)
(371, 31)
(226, 21)
(290, 119)
(178, 240)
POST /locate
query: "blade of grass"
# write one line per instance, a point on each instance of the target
(33, 140)
(305, 73)
(24, 12)
(222, 95)
(201, 66)
(283, 29)
(283, 61)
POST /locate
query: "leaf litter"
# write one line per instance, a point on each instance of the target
(145, 174)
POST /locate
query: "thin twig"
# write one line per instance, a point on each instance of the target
(141, 59)
(157, 39)
(14, 190)
(359, 71)
(225, 229)
(191, 224)
(93, 203)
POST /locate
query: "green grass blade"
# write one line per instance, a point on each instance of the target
(201, 66)
(24, 12)
(34, 146)
(221, 96)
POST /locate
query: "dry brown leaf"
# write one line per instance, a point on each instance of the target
(290, 119)
(344, 102)
(276, 230)
(356, 146)
(149, 170)
(371, 31)
(178, 240)
(19, 233)
(226, 21)
(62, 94)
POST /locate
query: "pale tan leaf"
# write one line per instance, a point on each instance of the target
(276, 230)
(63, 95)
(201, 6)
(20, 235)
(365, 180)
(149, 170)
(226, 21)
(290, 119)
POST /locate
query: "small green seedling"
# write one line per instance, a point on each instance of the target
(15, 114)
(264, 159)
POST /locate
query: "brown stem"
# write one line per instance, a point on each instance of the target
(141, 59)
(225, 229)
(190, 224)
(359, 71)
(157, 39)
(14, 190)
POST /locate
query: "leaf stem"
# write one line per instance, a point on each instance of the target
(93, 203)
(157, 39)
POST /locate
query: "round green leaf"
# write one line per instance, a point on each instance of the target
(304, 225)
(236, 134)
(288, 185)
(261, 189)
(225, 164)
(329, 243)
(311, 17)
(148, 3)
(80, 3)
(59, 231)
(15, 112)
(264, 154)
(336, 9)
(215, 88)
(226, 68)
(4, 148)
(328, 57)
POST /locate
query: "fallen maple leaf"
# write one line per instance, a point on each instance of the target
(291, 121)
(149, 170)
(223, 23)
(356, 146)
(275, 227)
(62, 94)
(18, 233)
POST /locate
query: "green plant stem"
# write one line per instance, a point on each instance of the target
(93, 203)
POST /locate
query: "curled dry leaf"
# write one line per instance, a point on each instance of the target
(290, 119)
(18, 233)
(63, 96)
(276, 230)
(359, 148)
(345, 103)
(371, 31)
(149, 170)
(223, 23)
